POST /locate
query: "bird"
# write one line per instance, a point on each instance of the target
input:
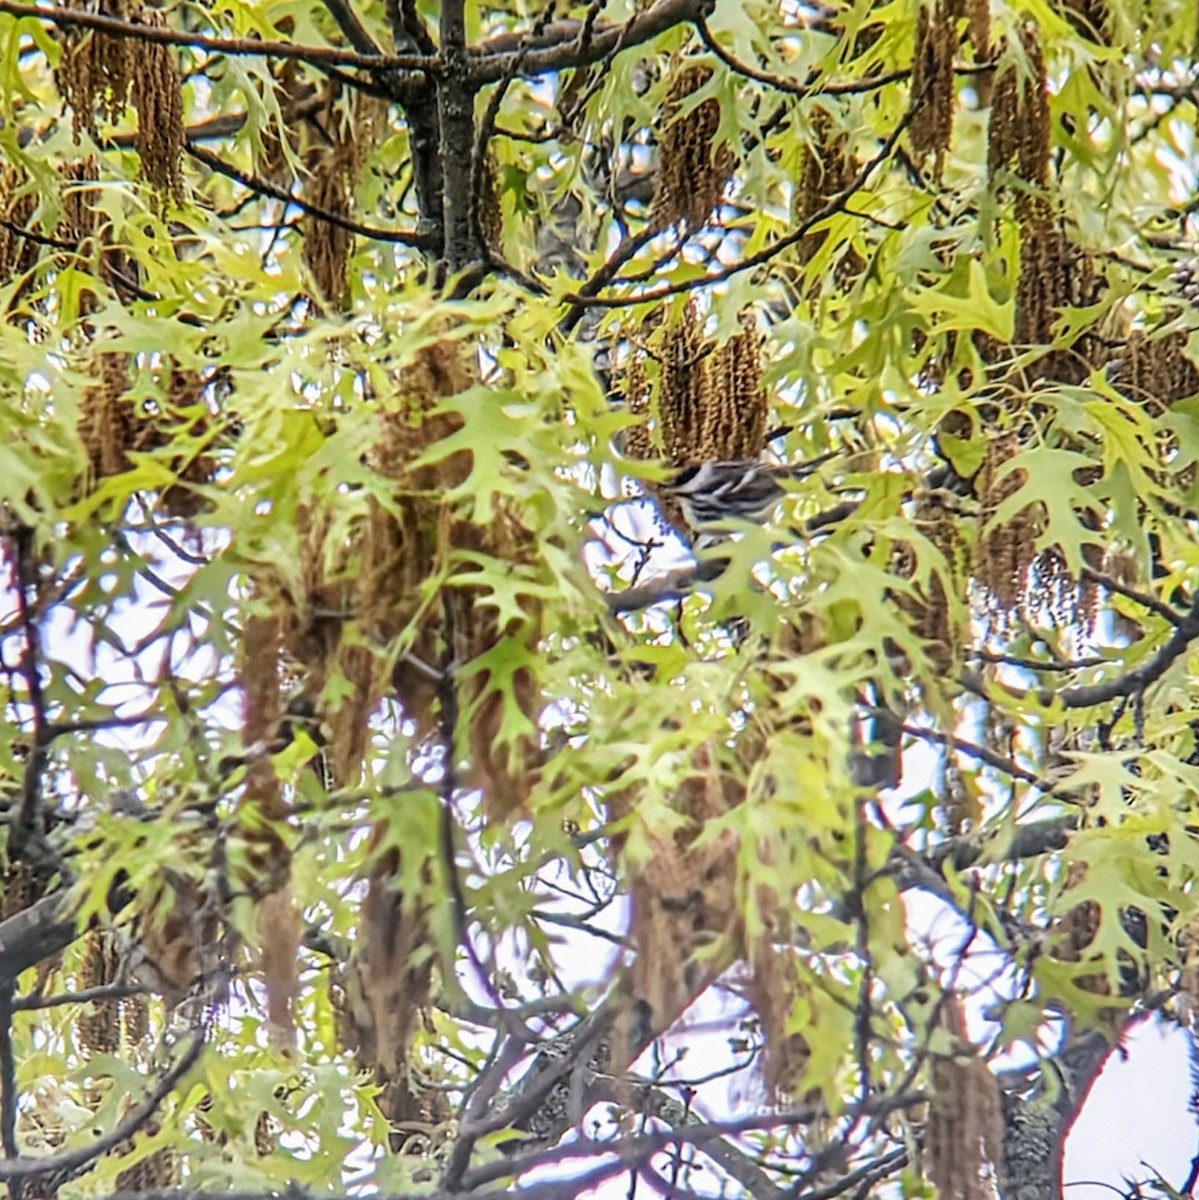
(715, 495)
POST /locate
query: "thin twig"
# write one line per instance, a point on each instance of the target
(700, 1133)
(985, 755)
(107, 991)
(264, 188)
(767, 253)
(70, 1161)
(1144, 599)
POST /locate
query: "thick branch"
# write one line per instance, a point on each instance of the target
(106, 991)
(1027, 841)
(568, 48)
(34, 934)
(29, 822)
(462, 244)
(408, 27)
(8, 1078)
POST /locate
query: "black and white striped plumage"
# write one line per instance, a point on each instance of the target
(713, 495)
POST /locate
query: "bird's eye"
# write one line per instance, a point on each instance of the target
(683, 478)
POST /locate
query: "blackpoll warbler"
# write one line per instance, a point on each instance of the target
(714, 495)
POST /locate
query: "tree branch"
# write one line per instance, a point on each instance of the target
(34, 934)
(461, 244)
(732, 1161)
(8, 1075)
(1131, 683)
(1139, 678)
(355, 32)
(983, 754)
(263, 188)
(493, 60)
(25, 571)
(701, 1133)
(107, 991)
(767, 253)
(553, 1189)
(71, 1161)
(74, 18)
(792, 87)
(1144, 599)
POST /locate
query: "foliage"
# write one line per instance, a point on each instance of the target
(385, 769)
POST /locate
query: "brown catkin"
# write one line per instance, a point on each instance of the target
(733, 396)
(1006, 551)
(18, 203)
(266, 1134)
(157, 96)
(97, 71)
(774, 991)
(1075, 930)
(1155, 370)
(327, 243)
(712, 404)
(1019, 127)
(637, 441)
(1042, 278)
(692, 170)
(20, 890)
(978, 28)
(826, 169)
(1033, 144)
(681, 387)
(155, 1172)
(98, 1025)
(683, 896)
(643, 441)
(334, 171)
(489, 213)
(932, 89)
(112, 425)
(80, 217)
(930, 610)
(135, 1016)
(107, 420)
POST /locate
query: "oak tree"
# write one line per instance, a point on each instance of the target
(398, 792)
